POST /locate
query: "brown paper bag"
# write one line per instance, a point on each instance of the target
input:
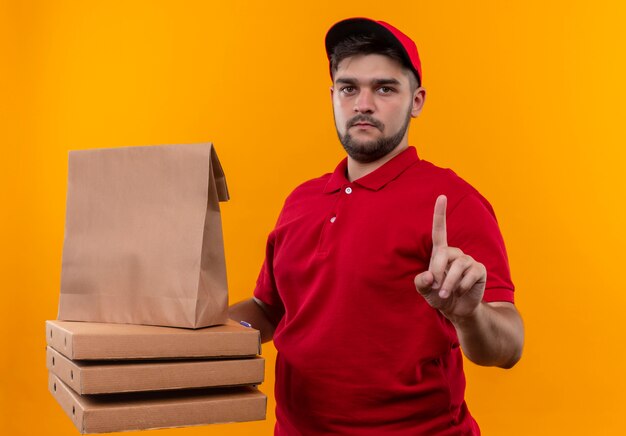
(143, 237)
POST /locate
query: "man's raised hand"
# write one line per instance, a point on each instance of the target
(454, 282)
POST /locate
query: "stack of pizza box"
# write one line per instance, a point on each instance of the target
(116, 377)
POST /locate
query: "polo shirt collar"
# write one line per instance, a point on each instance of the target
(378, 178)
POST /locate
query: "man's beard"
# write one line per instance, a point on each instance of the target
(371, 151)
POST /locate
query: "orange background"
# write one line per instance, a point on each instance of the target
(525, 101)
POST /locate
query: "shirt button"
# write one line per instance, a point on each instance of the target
(348, 190)
(332, 220)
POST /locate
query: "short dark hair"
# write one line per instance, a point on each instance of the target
(365, 45)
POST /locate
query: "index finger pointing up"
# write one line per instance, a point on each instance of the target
(440, 237)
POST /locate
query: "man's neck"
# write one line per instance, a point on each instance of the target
(356, 169)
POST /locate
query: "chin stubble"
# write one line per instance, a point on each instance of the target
(371, 151)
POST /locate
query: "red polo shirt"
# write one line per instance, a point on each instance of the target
(359, 350)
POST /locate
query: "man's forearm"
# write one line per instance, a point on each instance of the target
(251, 312)
(493, 336)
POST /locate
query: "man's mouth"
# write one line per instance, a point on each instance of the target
(361, 122)
(366, 126)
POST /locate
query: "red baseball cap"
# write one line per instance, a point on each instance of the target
(385, 31)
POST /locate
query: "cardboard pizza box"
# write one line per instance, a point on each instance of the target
(101, 377)
(97, 341)
(150, 410)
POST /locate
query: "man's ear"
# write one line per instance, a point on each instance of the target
(419, 97)
(332, 91)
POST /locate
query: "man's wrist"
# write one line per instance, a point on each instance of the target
(468, 321)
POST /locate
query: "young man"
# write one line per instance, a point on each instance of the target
(368, 295)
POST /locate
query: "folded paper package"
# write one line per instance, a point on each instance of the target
(143, 237)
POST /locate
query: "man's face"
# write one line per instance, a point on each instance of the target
(373, 104)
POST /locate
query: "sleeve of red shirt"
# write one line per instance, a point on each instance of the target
(472, 227)
(265, 289)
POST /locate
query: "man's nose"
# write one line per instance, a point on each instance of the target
(364, 102)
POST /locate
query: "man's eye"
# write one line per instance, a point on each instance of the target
(385, 90)
(347, 89)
